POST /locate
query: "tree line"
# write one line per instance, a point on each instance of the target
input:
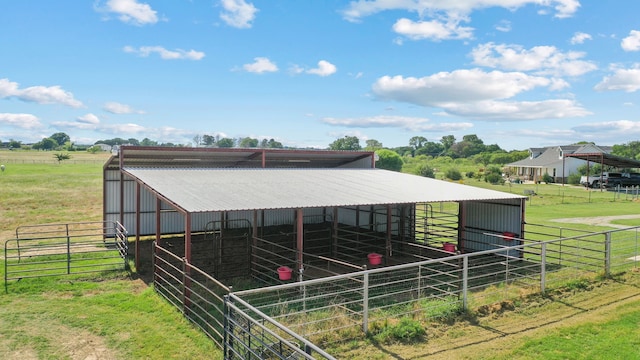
(419, 148)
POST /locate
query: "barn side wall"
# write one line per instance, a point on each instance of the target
(486, 225)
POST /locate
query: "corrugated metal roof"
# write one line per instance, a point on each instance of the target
(209, 190)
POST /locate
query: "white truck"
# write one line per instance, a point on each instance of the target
(595, 181)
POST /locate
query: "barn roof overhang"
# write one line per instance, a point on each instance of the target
(191, 157)
(607, 159)
(197, 190)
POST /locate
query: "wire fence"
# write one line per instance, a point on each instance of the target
(298, 319)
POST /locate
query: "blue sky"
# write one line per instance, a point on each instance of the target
(517, 73)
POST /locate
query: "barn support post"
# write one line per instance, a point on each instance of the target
(461, 225)
(187, 261)
(334, 235)
(300, 239)
(137, 249)
(388, 248)
(254, 241)
(358, 225)
(158, 219)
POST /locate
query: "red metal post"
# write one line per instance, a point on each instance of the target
(137, 226)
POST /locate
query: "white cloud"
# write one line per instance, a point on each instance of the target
(324, 68)
(38, 94)
(504, 26)
(539, 59)
(118, 108)
(23, 121)
(518, 110)
(361, 8)
(619, 126)
(479, 94)
(456, 86)
(433, 30)
(260, 65)
(89, 119)
(238, 13)
(133, 12)
(580, 37)
(404, 122)
(622, 79)
(177, 54)
(631, 42)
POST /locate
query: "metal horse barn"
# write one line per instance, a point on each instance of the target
(254, 213)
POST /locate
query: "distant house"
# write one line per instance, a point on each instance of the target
(552, 161)
(103, 147)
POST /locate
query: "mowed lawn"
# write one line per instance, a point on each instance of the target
(118, 316)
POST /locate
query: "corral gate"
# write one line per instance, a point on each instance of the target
(65, 249)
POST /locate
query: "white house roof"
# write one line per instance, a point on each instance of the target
(211, 190)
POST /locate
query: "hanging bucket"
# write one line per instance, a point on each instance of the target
(508, 235)
(284, 273)
(375, 259)
(449, 247)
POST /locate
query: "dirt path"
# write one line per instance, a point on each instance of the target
(599, 220)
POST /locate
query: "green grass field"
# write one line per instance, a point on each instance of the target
(116, 315)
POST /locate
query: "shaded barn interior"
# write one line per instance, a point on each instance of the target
(286, 215)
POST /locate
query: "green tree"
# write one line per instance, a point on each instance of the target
(197, 140)
(226, 143)
(426, 171)
(148, 142)
(388, 160)
(94, 149)
(430, 148)
(453, 174)
(447, 141)
(208, 140)
(61, 157)
(248, 142)
(45, 144)
(416, 143)
(270, 144)
(14, 144)
(346, 143)
(372, 145)
(60, 138)
(629, 150)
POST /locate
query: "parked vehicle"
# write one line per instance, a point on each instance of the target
(626, 180)
(595, 181)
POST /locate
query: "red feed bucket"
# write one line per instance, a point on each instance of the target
(375, 259)
(449, 247)
(284, 273)
(508, 235)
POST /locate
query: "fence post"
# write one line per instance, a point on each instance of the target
(68, 250)
(227, 342)
(543, 268)
(465, 281)
(185, 288)
(365, 302)
(607, 254)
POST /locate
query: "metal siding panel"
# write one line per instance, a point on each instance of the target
(491, 218)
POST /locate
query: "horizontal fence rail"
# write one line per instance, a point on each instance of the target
(65, 249)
